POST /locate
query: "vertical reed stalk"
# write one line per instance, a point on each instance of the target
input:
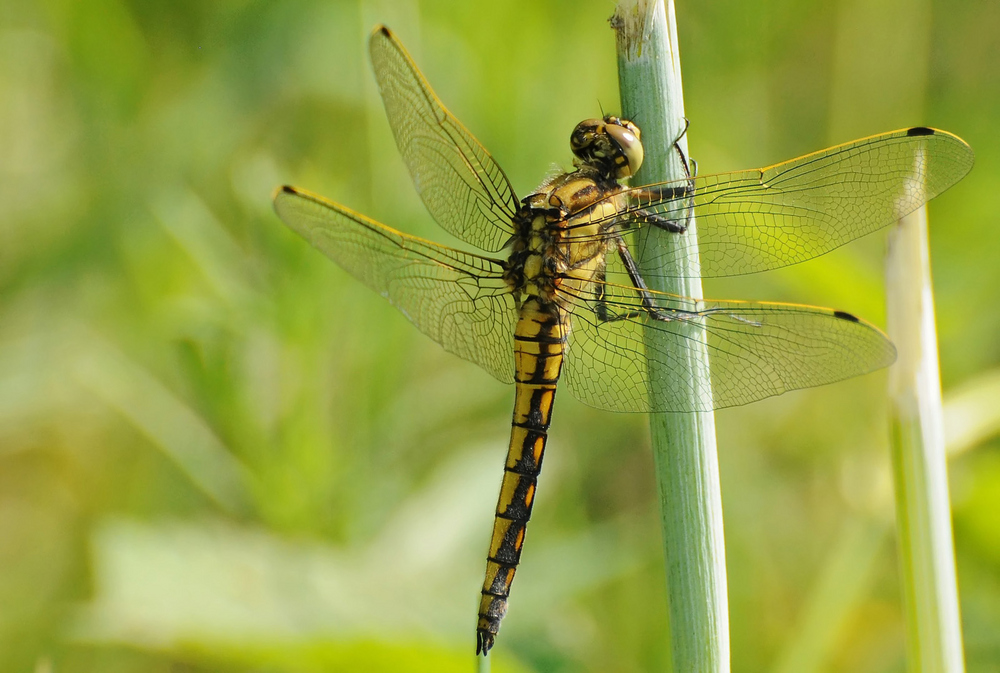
(923, 515)
(684, 444)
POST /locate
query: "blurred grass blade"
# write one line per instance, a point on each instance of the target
(842, 583)
(972, 413)
(923, 515)
(168, 422)
(188, 220)
(683, 444)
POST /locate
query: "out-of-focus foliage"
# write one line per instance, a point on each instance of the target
(220, 453)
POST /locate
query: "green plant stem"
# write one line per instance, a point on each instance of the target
(684, 444)
(923, 515)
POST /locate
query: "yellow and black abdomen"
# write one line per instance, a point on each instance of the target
(539, 344)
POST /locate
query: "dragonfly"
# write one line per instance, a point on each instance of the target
(559, 291)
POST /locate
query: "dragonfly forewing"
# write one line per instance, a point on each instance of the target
(761, 219)
(464, 189)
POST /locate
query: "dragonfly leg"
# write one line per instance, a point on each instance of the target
(686, 192)
(604, 314)
(601, 309)
(659, 221)
(689, 164)
(663, 194)
(687, 125)
(650, 308)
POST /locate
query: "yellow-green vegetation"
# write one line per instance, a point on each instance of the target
(218, 452)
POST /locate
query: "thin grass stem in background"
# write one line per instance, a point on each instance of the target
(971, 417)
(684, 445)
(923, 513)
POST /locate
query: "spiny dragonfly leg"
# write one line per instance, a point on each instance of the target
(689, 164)
(603, 314)
(690, 167)
(664, 194)
(648, 302)
(659, 221)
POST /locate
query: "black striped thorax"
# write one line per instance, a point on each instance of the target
(554, 236)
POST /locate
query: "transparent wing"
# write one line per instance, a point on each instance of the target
(760, 219)
(755, 350)
(462, 186)
(456, 298)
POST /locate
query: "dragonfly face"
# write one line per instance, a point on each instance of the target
(568, 304)
(611, 145)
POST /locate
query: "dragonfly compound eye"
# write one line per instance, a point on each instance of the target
(628, 152)
(583, 140)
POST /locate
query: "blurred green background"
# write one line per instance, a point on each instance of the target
(218, 452)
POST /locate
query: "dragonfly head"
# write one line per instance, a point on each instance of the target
(611, 145)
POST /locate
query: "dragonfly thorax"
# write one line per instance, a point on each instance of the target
(558, 241)
(611, 145)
